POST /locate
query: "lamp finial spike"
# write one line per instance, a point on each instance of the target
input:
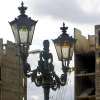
(63, 28)
(22, 8)
(22, 3)
(63, 24)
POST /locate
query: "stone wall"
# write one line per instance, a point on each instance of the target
(97, 33)
(13, 83)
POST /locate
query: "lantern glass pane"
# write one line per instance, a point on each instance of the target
(58, 50)
(31, 32)
(62, 50)
(15, 32)
(23, 33)
(65, 51)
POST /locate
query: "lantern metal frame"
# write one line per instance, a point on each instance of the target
(63, 39)
(25, 22)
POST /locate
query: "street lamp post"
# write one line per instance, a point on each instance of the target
(64, 45)
(23, 29)
(44, 75)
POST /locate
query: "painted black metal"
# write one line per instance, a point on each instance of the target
(64, 37)
(23, 19)
(44, 75)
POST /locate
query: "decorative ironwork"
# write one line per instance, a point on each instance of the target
(23, 27)
(22, 8)
(64, 28)
(44, 75)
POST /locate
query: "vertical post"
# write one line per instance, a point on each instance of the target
(46, 92)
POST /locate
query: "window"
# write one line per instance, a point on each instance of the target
(99, 54)
(23, 82)
(0, 73)
(0, 94)
(99, 37)
(23, 98)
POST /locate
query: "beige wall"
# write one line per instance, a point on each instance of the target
(97, 30)
(83, 44)
(12, 87)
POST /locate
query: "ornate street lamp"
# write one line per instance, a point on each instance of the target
(64, 45)
(23, 29)
(44, 75)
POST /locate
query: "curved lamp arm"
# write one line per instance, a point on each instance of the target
(44, 74)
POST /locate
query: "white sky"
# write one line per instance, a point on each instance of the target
(81, 14)
(46, 24)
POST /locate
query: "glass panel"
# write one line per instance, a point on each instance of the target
(62, 51)
(99, 37)
(23, 32)
(31, 32)
(15, 32)
(65, 51)
(58, 50)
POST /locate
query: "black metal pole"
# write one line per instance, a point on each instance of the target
(46, 92)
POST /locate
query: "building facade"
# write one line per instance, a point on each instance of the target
(87, 81)
(97, 53)
(13, 84)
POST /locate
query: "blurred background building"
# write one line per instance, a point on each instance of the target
(13, 84)
(87, 64)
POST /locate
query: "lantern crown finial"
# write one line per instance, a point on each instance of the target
(63, 24)
(63, 28)
(22, 9)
